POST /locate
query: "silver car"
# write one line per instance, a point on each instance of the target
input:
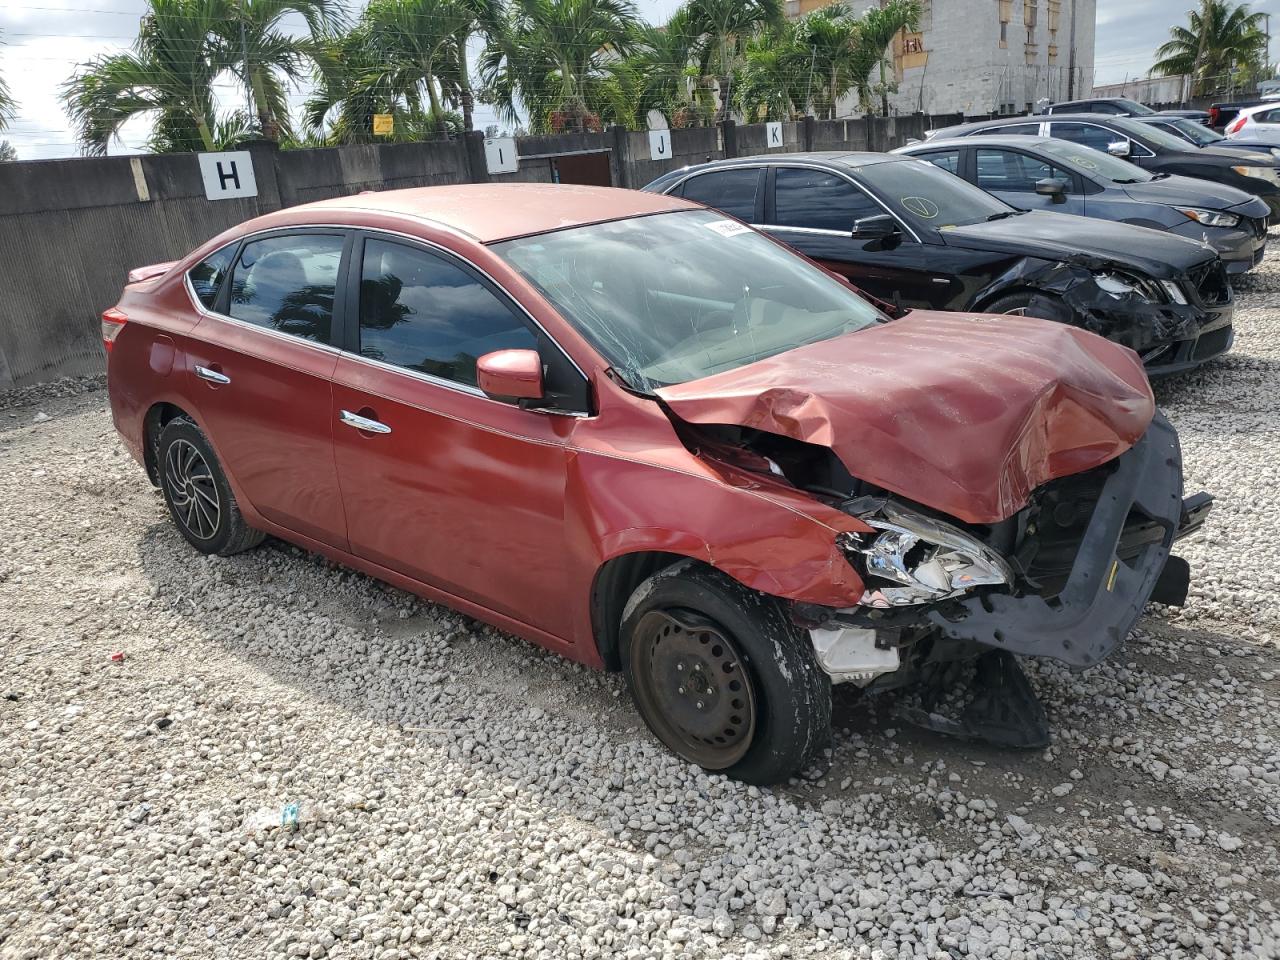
(1046, 173)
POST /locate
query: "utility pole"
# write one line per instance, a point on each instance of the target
(1071, 56)
(248, 81)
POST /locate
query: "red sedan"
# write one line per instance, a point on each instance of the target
(639, 433)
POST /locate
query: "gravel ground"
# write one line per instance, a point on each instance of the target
(460, 794)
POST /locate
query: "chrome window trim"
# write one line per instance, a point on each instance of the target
(807, 166)
(416, 374)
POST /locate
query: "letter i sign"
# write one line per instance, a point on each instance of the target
(228, 175)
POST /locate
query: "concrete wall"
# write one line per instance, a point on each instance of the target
(71, 229)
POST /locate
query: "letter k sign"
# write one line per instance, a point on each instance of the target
(773, 134)
(228, 175)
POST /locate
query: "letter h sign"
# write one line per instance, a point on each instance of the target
(228, 175)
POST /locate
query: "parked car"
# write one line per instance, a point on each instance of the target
(643, 435)
(910, 234)
(1256, 123)
(1222, 114)
(1049, 174)
(1122, 107)
(1202, 136)
(1148, 147)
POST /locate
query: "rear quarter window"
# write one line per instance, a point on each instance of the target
(206, 277)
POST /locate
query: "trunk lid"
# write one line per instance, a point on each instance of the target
(965, 414)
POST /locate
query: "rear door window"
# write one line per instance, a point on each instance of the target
(948, 160)
(1086, 134)
(733, 191)
(426, 313)
(1013, 129)
(819, 200)
(287, 283)
(206, 276)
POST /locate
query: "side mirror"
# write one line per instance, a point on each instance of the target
(1050, 187)
(511, 374)
(1120, 148)
(878, 227)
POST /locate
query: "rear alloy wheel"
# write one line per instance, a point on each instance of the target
(722, 677)
(197, 494)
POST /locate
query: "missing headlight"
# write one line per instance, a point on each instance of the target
(915, 559)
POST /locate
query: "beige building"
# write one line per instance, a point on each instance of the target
(985, 56)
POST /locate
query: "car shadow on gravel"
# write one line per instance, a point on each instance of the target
(880, 767)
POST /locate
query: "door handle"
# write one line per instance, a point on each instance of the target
(363, 423)
(213, 376)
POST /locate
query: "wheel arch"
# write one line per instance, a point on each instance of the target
(614, 582)
(157, 417)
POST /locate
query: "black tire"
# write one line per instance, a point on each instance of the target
(690, 617)
(1030, 303)
(197, 494)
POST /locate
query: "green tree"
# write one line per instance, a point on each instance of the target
(1218, 36)
(549, 55)
(876, 30)
(724, 28)
(168, 74)
(7, 152)
(774, 83)
(656, 75)
(407, 58)
(266, 58)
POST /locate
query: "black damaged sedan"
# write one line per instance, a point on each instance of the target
(915, 236)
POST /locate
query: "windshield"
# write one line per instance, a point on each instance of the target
(679, 296)
(1198, 132)
(1094, 163)
(929, 197)
(1150, 133)
(1134, 107)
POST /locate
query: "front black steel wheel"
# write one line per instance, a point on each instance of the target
(690, 678)
(722, 677)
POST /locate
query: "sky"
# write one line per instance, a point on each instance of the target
(44, 40)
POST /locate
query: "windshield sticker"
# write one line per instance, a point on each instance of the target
(1084, 162)
(728, 228)
(921, 207)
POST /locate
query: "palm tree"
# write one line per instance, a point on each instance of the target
(655, 76)
(724, 27)
(548, 54)
(838, 57)
(876, 30)
(168, 74)
(775, 81)
(268, 57)
(404, 57)
(1218, 36)
(8, 108)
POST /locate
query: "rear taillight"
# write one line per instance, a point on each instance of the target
(113, 322)
(1237, 124)
(1214, 115)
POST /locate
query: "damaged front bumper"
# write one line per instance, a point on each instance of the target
(1122, 562)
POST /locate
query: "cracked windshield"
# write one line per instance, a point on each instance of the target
(679, 296)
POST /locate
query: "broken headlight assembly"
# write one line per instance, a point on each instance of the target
(1123, 284)
(913, 559)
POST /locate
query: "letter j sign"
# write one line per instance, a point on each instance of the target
(228, 175)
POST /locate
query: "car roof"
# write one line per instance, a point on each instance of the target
(999, 140)
(488, 212)
(1072, 103)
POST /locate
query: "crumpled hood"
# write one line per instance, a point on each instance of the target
(1063, 236)
(966, 414)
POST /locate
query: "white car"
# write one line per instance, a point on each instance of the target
(1256, 123)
